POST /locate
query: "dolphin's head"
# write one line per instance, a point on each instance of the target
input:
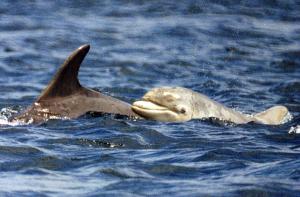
(168, 104)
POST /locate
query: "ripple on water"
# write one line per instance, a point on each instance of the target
(245, 55)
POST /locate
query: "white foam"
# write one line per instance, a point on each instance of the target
(5, 113)
(288, 117)
(6, 122)
(295, 130)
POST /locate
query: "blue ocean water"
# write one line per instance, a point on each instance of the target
(245, 54)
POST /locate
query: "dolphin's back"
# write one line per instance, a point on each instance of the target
(64, 97)
(207, 108)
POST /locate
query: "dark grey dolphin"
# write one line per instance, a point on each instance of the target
(64, 97)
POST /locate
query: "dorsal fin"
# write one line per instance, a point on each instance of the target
(273, 116)
(65, 82)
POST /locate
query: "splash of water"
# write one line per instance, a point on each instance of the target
(295, 130)
(288, 117)
(5, 114)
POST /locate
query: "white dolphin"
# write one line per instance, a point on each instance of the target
(177, 104)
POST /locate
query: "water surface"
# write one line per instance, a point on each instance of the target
(245, 54)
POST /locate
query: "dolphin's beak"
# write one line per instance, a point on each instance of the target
(150, 110)
(148, 105)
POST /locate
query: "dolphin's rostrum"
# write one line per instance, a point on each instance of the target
(64, 97)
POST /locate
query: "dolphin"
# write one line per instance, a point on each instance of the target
(178, 104)
(65, 98)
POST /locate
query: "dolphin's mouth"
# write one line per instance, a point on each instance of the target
(151, 110)
(148, 105)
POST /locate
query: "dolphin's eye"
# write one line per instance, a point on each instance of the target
(182, 110)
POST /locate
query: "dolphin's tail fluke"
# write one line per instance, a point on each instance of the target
(273, 116)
